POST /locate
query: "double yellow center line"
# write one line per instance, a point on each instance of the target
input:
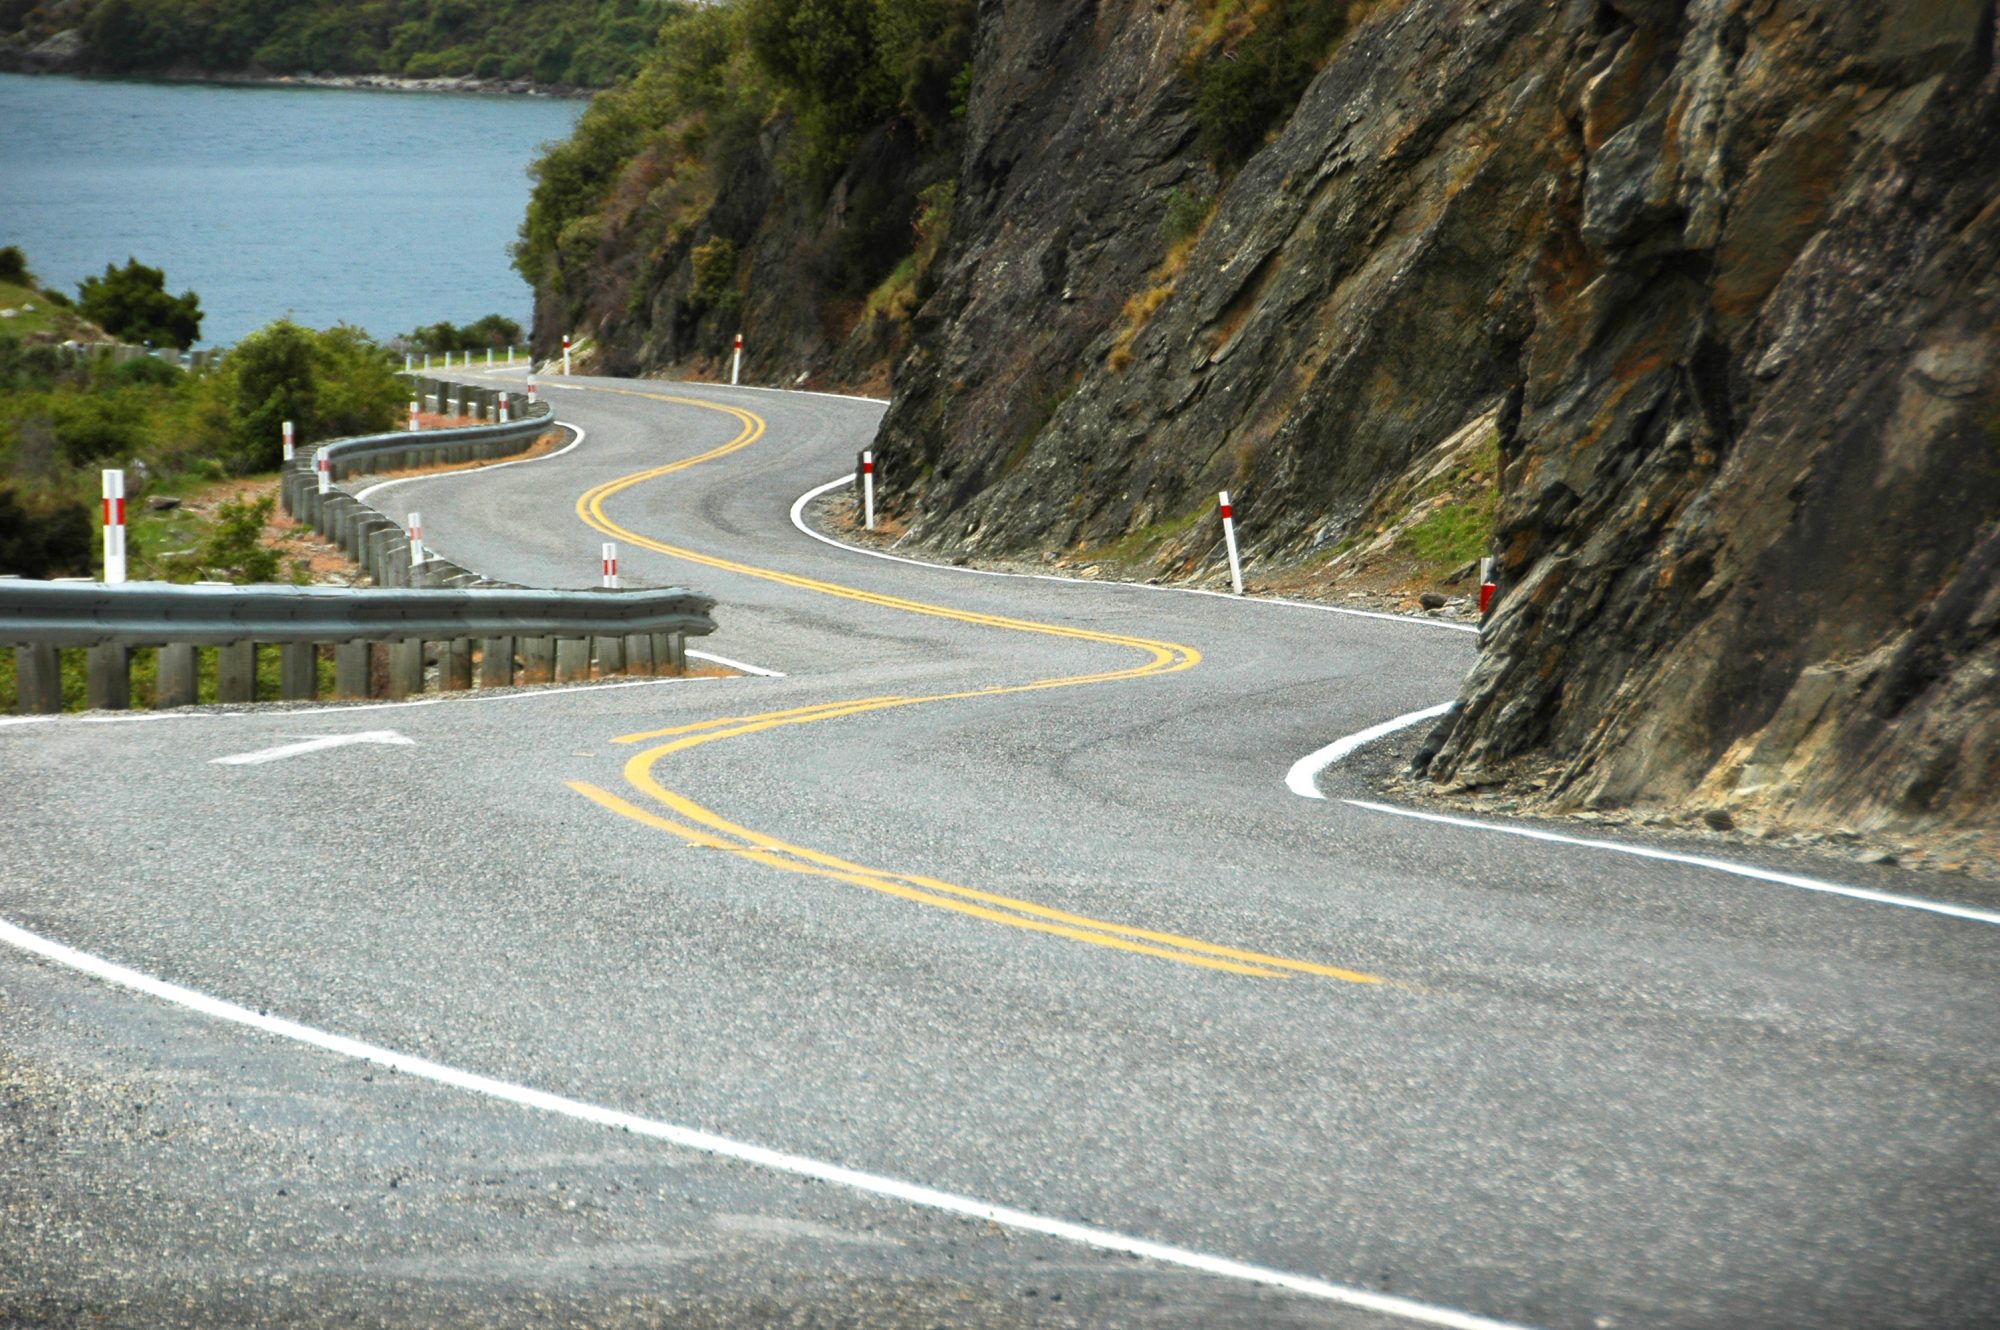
(701, 826)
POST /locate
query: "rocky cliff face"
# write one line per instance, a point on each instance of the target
(1723, 272)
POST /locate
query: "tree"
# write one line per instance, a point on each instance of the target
(328, 384)
(132, 303)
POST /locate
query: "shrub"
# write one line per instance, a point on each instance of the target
(132, 303)
(1249, 64)
(329, 384)
(14, 267)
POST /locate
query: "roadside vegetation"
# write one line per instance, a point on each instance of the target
(568, 43)
(820, 84)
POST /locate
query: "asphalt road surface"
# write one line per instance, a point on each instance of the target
(998, 894)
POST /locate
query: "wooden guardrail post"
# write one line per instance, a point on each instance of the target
(298, 671)
(108, 678)
(406, 667)
(496, 663)
(179, 676)
(352, 666)
(38, 680)
(236, 672)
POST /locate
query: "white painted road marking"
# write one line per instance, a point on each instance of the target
(264, 755)
(799, 521)
(1698, 861)
(708, 1143)
(1303, 778)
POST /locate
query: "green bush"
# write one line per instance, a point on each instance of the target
(131, 303)
(14, 267)
(329, 384)
(1250, 66)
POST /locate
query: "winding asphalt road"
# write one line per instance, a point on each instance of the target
(997, 891)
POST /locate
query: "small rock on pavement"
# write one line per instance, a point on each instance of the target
(1719, 819)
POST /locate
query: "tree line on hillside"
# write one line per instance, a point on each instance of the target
(866, 94)
(575, 43)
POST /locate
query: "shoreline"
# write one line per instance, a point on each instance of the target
(462, 85)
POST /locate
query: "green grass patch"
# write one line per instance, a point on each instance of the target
(1455, 534)
(1134, 545)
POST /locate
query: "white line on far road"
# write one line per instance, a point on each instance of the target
(693, 1138)
(283, 751)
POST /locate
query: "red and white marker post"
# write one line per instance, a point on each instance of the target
(531, 390)
(1487, 586)
(489, 357)
(413, 415)
(505, 415)
(1229, 539)
(324, 471)
(868, 489)
(610, 565)
(565, 355)
(291, 448)
(415, 532)
(114, 527)
(736, 364)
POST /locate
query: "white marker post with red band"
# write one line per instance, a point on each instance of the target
(114, 527)
(611, 565)
(415, 532)
(868, 488)
(1487, 587)
(531, 390)
(736, 365)
(413, 415)
(1229, 538)
(290, 448)
(565, 354)
(505, 398)
(325, 469)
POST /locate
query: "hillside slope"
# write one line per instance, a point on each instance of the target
(1724, 270)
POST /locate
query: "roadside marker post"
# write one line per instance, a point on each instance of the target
(489, 357)
(510, 353)
(736, 364)
(409, 362)
(565, 355)
(413, 415)
(114, 527)
(416, 534)
(291, 450)
(868, 488)
(427, 362)
(531, 390)
(1229, 538)
(1487, 586)
(324, 469)
(610, 565)
(504, 399)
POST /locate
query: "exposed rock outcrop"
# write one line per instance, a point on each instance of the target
(1726, 270)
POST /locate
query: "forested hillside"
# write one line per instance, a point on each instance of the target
(572, 43)
(782, 165)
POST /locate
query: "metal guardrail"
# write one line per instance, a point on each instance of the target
(147, 614)
(379, 635)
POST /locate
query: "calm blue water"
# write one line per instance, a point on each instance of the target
(386, 210)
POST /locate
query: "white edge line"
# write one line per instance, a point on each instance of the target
(1303, 778)
(799, 521)
(482, 470)
(727, 663)
(1699, 861)
(759, 1156)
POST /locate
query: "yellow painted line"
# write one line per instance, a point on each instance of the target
(706, 828)
(888, 884)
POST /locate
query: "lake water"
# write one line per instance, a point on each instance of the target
(382, 209)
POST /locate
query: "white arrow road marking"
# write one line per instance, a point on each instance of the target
(311, 746)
